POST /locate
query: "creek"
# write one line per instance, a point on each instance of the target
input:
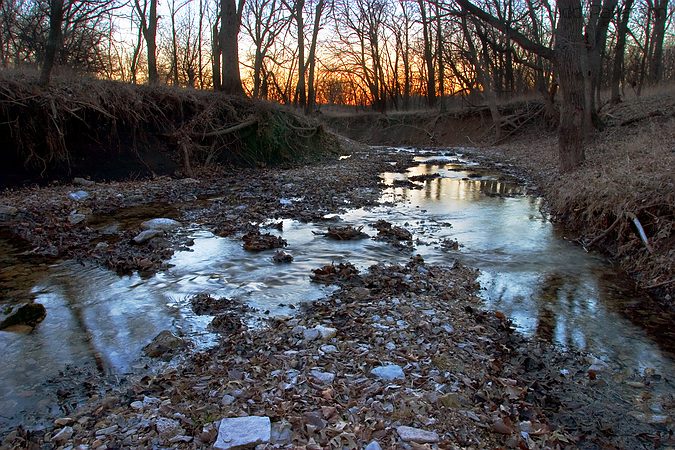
(97, 322)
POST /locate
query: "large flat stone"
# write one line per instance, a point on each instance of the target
(389, 372)
(161, 223)
(417, 435)
(243, 432)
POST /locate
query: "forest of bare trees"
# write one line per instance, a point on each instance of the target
(379, 54)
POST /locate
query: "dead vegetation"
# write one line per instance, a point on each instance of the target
(92, 127)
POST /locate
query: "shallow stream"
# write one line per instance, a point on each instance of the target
(97, 322)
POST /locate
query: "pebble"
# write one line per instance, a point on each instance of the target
(137, 405)
(374, 445)
(323, 377)
(145, 236)
(417, 435)
(161, 223)
(63, 421)
(227, 400)
(78, 196)
(63, 435)
(326, 332)
(388, 373)
(167, 427)
(243, 432)
(106, 431)
(8, 211)
(328, 348)
(311, 334)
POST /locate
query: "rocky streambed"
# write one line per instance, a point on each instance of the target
(397, 352)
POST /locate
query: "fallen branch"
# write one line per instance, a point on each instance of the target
(232, 129)
(661, 284)
(602, 235)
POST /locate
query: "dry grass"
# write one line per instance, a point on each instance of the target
(630, 169)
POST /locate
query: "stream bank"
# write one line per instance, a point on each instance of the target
(490, 384)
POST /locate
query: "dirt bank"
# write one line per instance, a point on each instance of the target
(628, 173)
(107, 130)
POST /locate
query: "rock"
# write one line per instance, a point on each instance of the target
(227, 400)
(417, 435)
(281, 433)
(63, 421)
(145, 236)
(243, 432)
(328, 348)
(150, 401)
(374, 445)
(315, 419)
(75, 218)
(137, 405)
(167, 428)
(163, 344)
(311, 334)
(22, 314)
(63, 435)
(390, 346)
(323, 377)
(102, 246)
(282, 257)
(83, 181)
(161, 223)
(78, 196)
(326, 332)
(180, 438)
(107, 431)
(388, 373)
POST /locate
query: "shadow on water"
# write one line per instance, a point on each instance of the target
(548, 286)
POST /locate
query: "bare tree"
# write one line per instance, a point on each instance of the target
(147, 14)
(230, 22)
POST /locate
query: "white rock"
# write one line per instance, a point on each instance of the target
(311, 334)
(227, 400)
(328, 348)
(410, 434)
(137, 405)
(374, 445)
(63, 421)
(149, 401)
(390, 346)
(243, 432)
(326, 332)
(161, 223)
(78, 195)
(323, 377)
(63, 435)
(388, 373)
(167, 427)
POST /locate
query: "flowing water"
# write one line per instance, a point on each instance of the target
(98, 322)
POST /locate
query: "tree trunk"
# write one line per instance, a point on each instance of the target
(53, 40)
(215, 56)
(311, 93)
(151, 43)
(230, 81)
(428, 56)
(568, 51)
(301, 90)
(619, 52)
(658, 33)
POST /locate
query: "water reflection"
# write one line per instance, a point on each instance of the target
(549, 287)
